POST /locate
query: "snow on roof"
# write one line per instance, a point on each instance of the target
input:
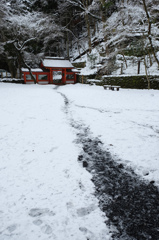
(62, 58)
(33, 70)
(75, 70)
(56, 62)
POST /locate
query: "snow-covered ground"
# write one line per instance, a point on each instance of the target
(45, 192)
(126, 121)
(40, 178)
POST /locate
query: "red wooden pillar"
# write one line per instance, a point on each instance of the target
(24, 77)
(37, 81)
(51, 76)
(64, 76)
(75, 77)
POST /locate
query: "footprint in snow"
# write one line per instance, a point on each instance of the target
(88, 233)
(36, 212)
(71, 209)
(12, 228)
(46, 229)
(85, 211)
(80, 212)
(38, 222)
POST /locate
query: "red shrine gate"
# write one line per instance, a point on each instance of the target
(53, 71)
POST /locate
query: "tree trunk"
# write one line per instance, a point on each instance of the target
(8, 60)
(88, 32)
(121, 72)
(138, 69)
(11, 67)
(94, 27)
(124, 59)
(25, 65)
(67, 45)
(147, 77)
(88, 29)
(150, 57)
(103, 11)
(149, 32)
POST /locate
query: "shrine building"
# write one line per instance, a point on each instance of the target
(53, 70)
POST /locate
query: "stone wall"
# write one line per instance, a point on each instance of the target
(136, 82)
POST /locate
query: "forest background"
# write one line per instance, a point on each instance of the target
(109, 34)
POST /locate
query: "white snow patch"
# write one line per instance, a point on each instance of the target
(60, 63)
(40, 177)
(33, 70)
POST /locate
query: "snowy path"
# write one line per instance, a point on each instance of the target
(127, 122)
(44, 192)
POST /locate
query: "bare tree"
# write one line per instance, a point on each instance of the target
(149, 31)
(83, 5)
(26, 37)
(86, 9)
(19, 49)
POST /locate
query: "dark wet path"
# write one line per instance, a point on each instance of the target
(131, 204)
